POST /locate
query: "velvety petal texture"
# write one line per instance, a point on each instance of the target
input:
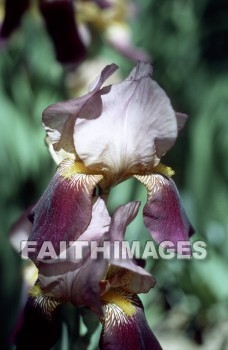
(125, 326)
(37, 331)
(64, 211)
(129, 135)
(164, 215)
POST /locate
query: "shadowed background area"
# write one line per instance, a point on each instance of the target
(187, 42)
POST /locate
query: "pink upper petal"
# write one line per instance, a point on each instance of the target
(105, 74)
(164, 215)
(59, 118)
(136, 125)
(141, 70)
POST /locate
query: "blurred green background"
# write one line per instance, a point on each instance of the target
(188, 45)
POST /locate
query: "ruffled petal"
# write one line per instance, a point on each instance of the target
(124, 325)
(105, 74)
(137, 126)
(164, 215)
(59, 118)
(64, 211)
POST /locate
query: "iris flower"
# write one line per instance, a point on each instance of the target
(107, 136)
(107, 286)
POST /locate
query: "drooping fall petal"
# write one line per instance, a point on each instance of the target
(76, 278)
(136, 127)
(164, 215)
(65, 209)
(124, 324)
(38, 331)
(59, 16)
(14, 11)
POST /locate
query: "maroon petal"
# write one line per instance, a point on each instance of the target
(64, 210)
(59, 16)
(164, 215)
(74, 279)
(14, 10)
(125, 326)
(35, 320)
